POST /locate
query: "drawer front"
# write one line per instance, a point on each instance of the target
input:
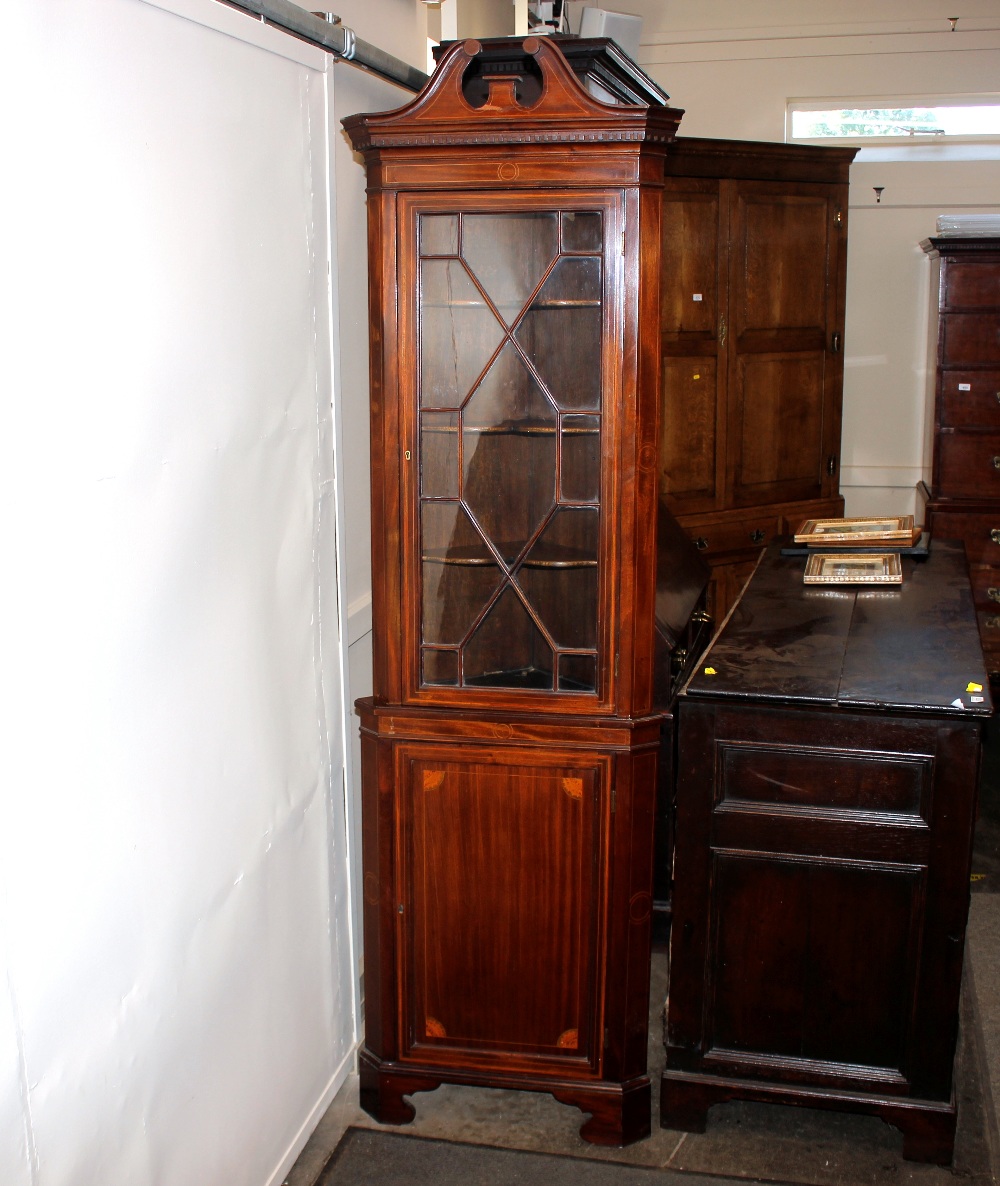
(819, 779)
(989, 635)
(970, 339)
(992, 659)
(980, 533)
(972, 284)
(989, 627)
(969, 464)
(735, 535)
(969, 399)
(986, 589)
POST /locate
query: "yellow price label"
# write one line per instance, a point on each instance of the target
(974, 687)
(710, 671)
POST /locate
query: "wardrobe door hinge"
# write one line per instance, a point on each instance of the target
(835, 343)
(831, 464)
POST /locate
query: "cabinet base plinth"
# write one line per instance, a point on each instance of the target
(928, 1126)
(619, 1112)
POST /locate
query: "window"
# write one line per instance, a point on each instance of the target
(929, 119)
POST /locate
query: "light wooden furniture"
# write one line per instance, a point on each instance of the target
(826, 798)
(752, 323)
(963, 501)
(510, 749)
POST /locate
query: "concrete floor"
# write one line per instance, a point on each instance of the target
(753, 1141)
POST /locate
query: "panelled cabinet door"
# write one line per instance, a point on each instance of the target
(500, 939)
(693, 301)
(513, 418)
(784, 420)
(751, 326)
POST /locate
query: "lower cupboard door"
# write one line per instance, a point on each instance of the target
(815, 964)
(503, 872)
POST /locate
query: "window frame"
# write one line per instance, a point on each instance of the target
(868, 102)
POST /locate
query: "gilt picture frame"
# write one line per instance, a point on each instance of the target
(870, 529)
(846, 568)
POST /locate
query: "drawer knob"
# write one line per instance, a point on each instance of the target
(757, 536)
(996, 461)
(701, 543)
(993, 593)
(993, 622)
(997, 394)
(995, 535)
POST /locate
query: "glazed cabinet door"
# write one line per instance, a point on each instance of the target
(501, 880)
(510, 426)
(784, 349)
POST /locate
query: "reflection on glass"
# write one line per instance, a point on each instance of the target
(559, 577)
(458, 333)
(508, 649)
(509, 432)
(439, 454)
(581, 458)
(577, 673)
(510, 448)
(439, 667)
(459, 572)
(439, 234)
(561, 333)
(509, 253)
(581, 231)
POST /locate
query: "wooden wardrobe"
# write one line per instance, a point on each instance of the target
(752, 330)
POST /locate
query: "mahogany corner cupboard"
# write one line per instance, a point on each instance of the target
(827, 774)
(509, 753)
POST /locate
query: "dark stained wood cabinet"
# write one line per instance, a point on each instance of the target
(752, 323)
(963, 501)
(510, 749)
(827, 773)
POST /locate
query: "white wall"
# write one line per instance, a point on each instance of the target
(734, 64)
(174, 919)
(398, 27)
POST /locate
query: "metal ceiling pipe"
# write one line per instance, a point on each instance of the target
(335, 38)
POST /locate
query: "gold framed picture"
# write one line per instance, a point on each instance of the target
(845, 568)
(887, 529)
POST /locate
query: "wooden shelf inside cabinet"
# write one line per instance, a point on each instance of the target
(516, 308)
(509, 755)
(521, 428)
(552, 558)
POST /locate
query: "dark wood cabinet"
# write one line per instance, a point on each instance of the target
(963, 501)
(827, 774)
(510, 749)
(752, 323)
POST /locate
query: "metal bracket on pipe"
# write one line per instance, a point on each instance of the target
(335, 38)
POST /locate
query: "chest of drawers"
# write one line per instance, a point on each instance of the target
(963, 500)
(826, 788)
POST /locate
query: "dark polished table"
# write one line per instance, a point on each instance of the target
(827, 775)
